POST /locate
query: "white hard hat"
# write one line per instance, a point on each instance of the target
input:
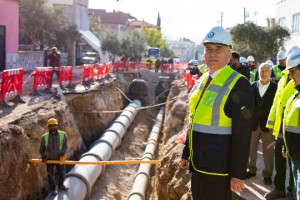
(293, 59)
(250, 59)
(290, 50)
(269, 62)
(281, 55)
(218, 35)
(243, 60)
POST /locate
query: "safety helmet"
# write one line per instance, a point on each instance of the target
(269, 62)
(293, 59)
(250, 59)
(243, 60)
(290, 50)
(52, 121)
(281, 55)
(218, 35)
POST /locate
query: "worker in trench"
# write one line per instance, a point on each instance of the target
(54, 147)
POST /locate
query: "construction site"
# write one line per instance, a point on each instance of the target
(127, 127)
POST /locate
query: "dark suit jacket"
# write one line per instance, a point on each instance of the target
(262, 105)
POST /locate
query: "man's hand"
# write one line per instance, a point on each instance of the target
(271, 130)
(236, 185)
(183, 163)
(62, 158)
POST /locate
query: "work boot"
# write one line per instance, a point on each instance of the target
(54, 191)
(275, 194)
(249, 175)
(268, 181)
(63, 187)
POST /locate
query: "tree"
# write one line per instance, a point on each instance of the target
(132, 42)
(158, 21)
(250, 39)
(45, 26)
(110, 43)
(153, 37)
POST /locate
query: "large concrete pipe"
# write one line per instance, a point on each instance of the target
(82, 177)
(141, 180)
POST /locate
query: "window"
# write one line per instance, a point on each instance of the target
(281, 22)
(296, 23)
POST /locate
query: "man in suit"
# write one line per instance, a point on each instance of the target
(264, 92)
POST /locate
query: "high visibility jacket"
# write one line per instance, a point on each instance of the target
(283, 93)
(61, 139)
(202, 68)
(207, 114)
(277, 71)
(252, 75)
(291, 121)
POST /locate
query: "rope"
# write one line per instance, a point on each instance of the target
(124, 94)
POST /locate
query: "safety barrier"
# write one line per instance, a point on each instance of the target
(88, 74)
(65, 76)
(118, 65)
(42, 79)
(101, 71)
(167, 68)
(11, 86)
(107, 69)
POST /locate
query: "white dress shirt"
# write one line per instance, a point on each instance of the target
(262, 88)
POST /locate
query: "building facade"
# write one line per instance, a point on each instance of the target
(184, 49)
(288, 15)
(9, 30)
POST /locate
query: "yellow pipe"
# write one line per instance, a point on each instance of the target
(114, 162)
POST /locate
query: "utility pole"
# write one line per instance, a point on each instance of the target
(221, 19)
(72, 51)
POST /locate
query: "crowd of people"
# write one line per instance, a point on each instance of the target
(232, 106)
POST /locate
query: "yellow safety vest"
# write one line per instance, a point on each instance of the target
(283, 93)
(61, 139)
(277, 71)
(202, 69)
(252, 75)
(291, 114)
(207, 115)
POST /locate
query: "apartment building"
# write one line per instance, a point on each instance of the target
(288, 15)
(184, 48)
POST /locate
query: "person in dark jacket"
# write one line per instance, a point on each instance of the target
(54, 58)
(54, 147)
(157, 64)
(264, 92)
(237, 66)
(195, 70)
(220, 105)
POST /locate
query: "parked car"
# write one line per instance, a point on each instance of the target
(90, 58)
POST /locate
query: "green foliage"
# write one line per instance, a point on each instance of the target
(44, 26)
(110, 43)
(153, 37)
(132, 42)
(250, 39)
(166, 52)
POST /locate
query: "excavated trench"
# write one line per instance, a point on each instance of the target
(83, 119)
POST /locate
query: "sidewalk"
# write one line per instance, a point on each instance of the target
(255, 188)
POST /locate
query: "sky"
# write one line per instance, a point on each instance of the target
(192, 19)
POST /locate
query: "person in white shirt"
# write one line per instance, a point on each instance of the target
(264, 92)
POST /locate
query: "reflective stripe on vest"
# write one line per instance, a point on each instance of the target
(291, 117)
(286, 93)
(61, 139)
(211, 104)
(277, 71)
